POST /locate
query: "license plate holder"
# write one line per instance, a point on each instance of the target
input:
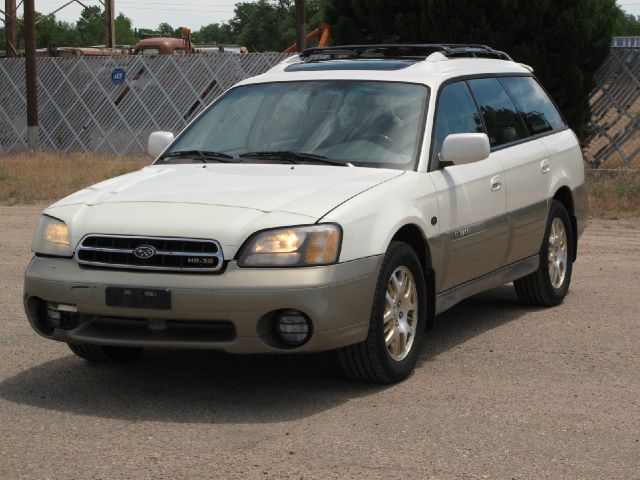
(129, 297)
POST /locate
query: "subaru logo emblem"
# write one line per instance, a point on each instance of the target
(144, 252)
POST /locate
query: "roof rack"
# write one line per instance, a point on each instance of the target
(402, 51)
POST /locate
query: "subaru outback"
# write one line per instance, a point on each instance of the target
(340, 201)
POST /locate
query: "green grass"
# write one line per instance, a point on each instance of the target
(47, 176)
(614, 195)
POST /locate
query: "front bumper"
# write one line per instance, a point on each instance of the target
(228, 312)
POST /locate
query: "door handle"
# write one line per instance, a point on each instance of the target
(496, 183)
(544, 166)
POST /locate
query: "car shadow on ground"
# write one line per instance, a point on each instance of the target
(211, 387)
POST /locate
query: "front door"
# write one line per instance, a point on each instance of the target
(472, 198)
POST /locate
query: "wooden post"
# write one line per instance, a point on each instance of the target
(31, 74)
(110, 19)
(300, 25)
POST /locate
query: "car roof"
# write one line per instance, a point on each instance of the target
(426, 64)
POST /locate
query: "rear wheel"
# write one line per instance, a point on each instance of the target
(103, 353)
(397, 326)
(548, 285)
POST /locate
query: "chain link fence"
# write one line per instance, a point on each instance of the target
(112, 104)
(87, 105)
(615, 108)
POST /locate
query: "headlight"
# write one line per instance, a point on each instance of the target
(52, 238)
(293, 247)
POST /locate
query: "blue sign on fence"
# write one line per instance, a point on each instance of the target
(118, 76)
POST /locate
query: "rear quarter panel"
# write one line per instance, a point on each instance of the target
(567, 167)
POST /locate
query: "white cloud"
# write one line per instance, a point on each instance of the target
(631, 8)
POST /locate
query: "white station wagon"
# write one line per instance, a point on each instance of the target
(339, 201)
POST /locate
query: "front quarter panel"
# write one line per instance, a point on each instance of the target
(370, 220)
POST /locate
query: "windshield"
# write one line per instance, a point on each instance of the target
(361, 123)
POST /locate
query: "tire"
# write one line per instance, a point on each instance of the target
(542, 288)
(102, 353)
(372, 361)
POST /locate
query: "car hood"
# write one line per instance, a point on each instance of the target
(310, 190)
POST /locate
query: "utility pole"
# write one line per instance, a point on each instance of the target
(10, 30)
(31, 74)
(110, 17)
(300, 28)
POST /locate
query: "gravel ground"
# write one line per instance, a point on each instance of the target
(501, 391)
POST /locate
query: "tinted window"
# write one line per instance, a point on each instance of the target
(540, 113)
(504, 122)
(457, 113)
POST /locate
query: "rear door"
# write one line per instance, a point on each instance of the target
(472, 197)
(528, 167)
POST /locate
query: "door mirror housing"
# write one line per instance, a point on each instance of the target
(463, 148)
(158, 142)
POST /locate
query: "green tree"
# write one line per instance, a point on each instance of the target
(626, 24)
(269, 25)
(49, 33)
(91, 27)
(165, 29)
(124, 30)
(564, 40)
(144, 32)
(53, 33)
(214, 33)
(259, 25)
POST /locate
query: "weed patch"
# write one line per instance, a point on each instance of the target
(45, 176)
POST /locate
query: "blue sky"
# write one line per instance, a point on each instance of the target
(184, 13)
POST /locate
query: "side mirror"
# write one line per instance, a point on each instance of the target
(463, 148)
(158, 142)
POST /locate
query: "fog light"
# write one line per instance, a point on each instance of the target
(293, 328)
(54, 313)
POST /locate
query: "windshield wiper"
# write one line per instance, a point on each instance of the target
(295, 157)
(203, 155)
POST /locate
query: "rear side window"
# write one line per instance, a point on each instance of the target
(539, 111)
(504, 122)
(457, 113)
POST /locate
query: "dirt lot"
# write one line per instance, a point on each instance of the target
(501, 391)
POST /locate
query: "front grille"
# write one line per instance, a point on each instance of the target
(150, 253)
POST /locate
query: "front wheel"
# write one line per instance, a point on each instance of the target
(547, 286)
(397, 326)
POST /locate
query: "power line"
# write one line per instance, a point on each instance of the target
(154, 2)
(176, 4)
(170, 10)
(148, 6)
(182, 4)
